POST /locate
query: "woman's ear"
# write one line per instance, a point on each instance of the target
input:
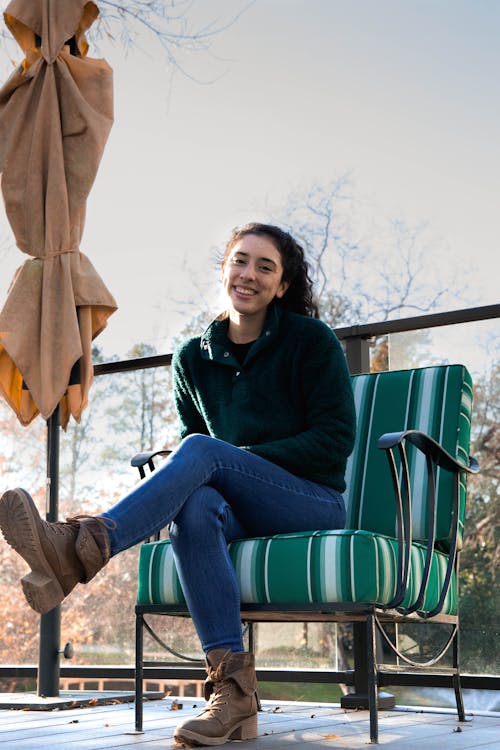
(282, 289)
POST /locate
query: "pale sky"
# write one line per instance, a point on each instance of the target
(403, 94)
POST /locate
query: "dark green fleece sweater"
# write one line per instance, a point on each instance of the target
(290, 401)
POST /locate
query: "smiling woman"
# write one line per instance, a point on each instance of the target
(275, 252)
(252, 278)
(267, 423)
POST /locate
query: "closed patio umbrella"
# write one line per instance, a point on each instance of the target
(56, 111)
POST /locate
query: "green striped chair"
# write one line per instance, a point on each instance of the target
(397, 559)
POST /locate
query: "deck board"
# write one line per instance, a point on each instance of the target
(281, 725)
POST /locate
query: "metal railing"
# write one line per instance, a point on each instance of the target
(357, 340)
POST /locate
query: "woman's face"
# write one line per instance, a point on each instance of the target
(252, 275)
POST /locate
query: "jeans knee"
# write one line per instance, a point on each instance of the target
(199, 514)
(195, 442)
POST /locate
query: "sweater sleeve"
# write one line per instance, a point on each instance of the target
(190, 419)
(330, 420)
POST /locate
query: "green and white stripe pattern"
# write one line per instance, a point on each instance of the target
(358, 564)
(435, 400)
(158, 579)
(322, 566)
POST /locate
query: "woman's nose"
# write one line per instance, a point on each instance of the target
(247, 271)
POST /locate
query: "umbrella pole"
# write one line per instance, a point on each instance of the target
(50, 623)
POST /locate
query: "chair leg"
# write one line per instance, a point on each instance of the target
(457, 685)
(251, 648)
(372, 677)
(139, 671)
(359, 698)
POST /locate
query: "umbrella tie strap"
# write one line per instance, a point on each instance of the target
(56, 254)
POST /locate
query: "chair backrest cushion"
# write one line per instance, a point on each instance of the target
(435, 400)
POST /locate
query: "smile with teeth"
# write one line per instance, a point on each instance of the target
(244, 290)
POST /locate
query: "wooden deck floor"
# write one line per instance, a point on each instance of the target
(282, 725)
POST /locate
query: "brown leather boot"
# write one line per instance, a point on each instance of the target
(59, 554)
(231, 711)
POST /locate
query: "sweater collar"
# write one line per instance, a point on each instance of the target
(214, 342)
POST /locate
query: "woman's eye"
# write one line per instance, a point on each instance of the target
(265, 268)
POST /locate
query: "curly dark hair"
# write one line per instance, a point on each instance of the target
(299, 296)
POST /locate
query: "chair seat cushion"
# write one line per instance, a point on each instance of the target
(307, 567)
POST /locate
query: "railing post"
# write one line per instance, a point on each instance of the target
(50, 623)
(139, 671)
(357, 351)
(360, 697)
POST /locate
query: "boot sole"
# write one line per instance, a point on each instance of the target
(18, 514)
(247, 729)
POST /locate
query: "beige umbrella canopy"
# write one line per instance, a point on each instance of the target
(56, 111)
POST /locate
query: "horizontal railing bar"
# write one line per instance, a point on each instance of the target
(386, 679)
(137, 363)
(434, 320)
(365, 331)
(424, 679)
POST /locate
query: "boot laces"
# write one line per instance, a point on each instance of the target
(71, 524)
(106, 523)
(60, 527)
(220, 696)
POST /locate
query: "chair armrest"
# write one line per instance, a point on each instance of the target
(141, 459)
(429, 447)
(435, 454)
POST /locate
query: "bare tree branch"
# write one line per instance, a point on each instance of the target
(385, 268)
(320, 219)
(170, 23)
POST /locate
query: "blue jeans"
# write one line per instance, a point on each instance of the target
(211, 493)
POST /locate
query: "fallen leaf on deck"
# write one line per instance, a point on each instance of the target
(176, 706)
(331, 736)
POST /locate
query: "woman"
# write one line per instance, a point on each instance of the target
(267, 422)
